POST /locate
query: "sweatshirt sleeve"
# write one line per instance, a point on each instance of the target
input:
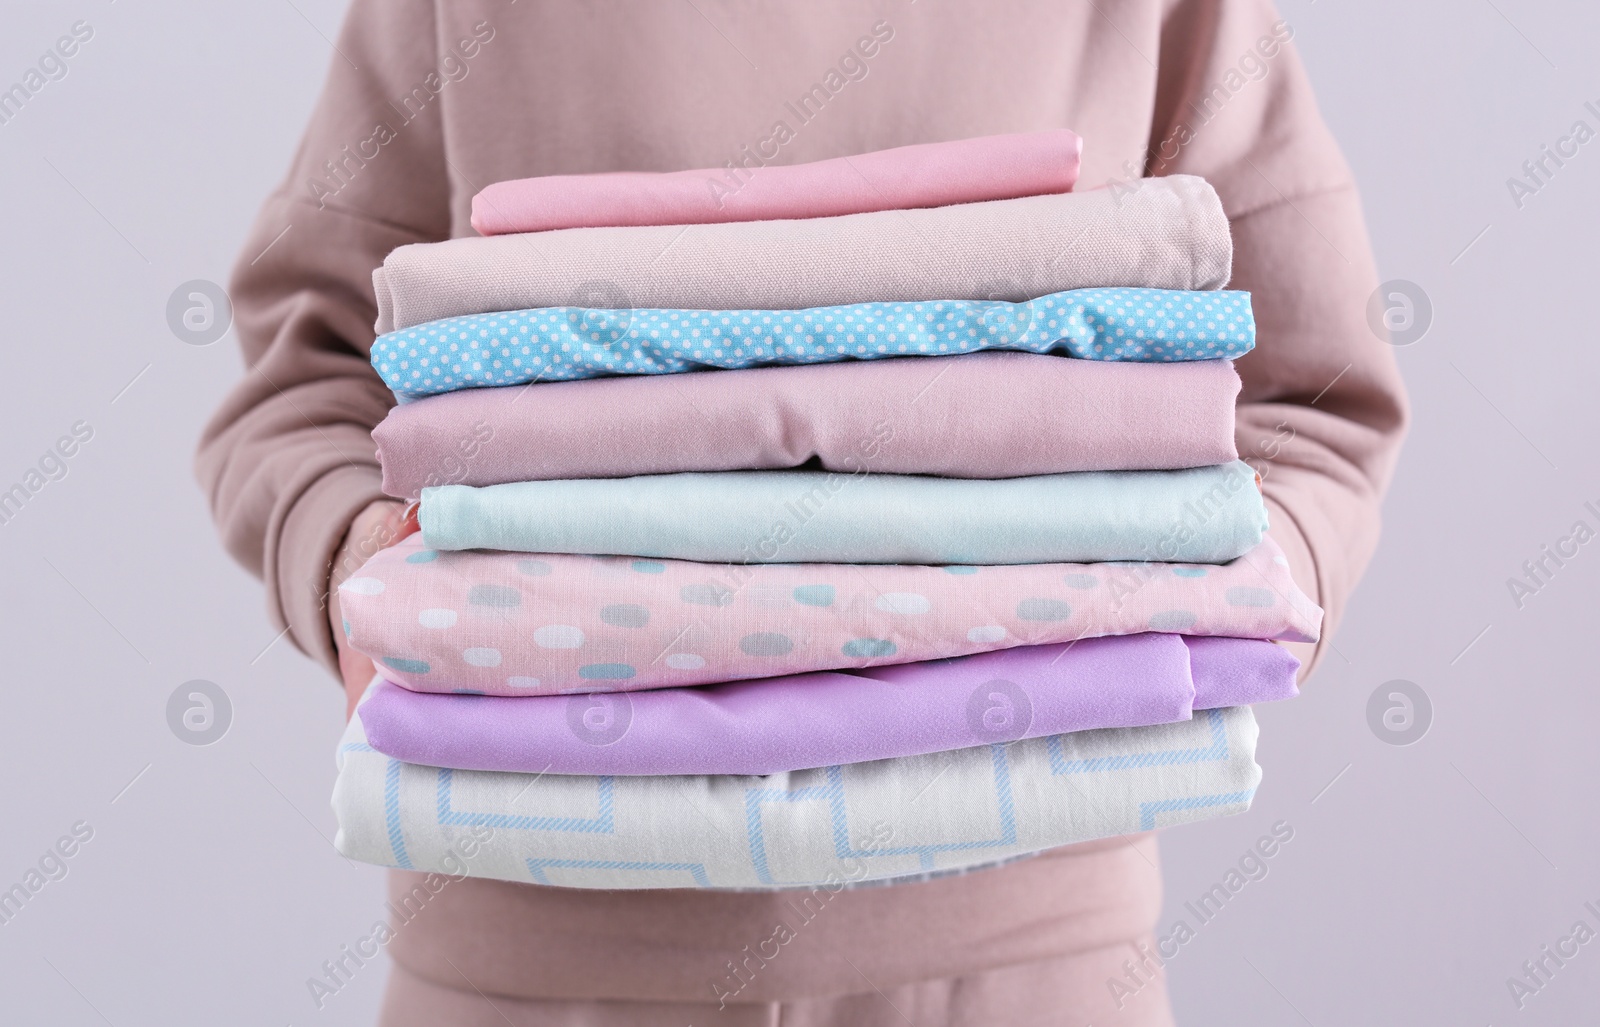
(1322, 409)
(288, 459)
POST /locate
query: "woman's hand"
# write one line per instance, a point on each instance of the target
(378, 525)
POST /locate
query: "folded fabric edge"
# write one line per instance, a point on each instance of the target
(1182, 808)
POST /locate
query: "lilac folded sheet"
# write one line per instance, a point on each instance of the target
(999, 167)
(983, 415)
(822, 719)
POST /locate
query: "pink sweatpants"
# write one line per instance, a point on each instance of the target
(1038, 941)
(1069, 991)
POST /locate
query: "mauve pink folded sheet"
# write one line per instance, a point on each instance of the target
(985, 415)
(999, 167)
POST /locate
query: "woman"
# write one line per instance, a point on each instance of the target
(425, 105)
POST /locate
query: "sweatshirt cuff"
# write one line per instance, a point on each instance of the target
(312, 532)
(1287, 533)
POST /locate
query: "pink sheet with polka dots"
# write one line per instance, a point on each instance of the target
(505, 623)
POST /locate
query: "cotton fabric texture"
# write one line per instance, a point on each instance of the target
(288, 459)
(519, 624)
(774, 725)
(568, 343)
(984, 415)
(1196, 515)
(1071, 987)
(1104, 892)
(1166, 233)
(852, 823)
(927, 175)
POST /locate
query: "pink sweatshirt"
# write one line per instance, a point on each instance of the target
(427, 103)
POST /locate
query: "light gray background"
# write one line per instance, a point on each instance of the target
(1419, 878)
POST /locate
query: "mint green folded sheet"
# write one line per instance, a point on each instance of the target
(1199, 515)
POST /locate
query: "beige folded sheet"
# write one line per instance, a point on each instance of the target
(1165, 233)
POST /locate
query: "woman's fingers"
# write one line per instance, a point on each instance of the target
(377, 526)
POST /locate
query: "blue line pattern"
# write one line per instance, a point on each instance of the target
(1149, 810)
(601, 823)
(391, 814)
(536, 868)
(834, 794)
(842, 824)
(1217, 750)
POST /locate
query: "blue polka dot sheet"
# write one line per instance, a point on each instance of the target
(1195, 515)
(549, 344)
(859, 822)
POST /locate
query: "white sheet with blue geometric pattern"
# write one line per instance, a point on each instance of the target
(859, 822)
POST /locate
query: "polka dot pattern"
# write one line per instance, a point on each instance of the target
(558, 636)
(625, 615)
(494, 595)
(1044, 609)
(477, 621)
(706, 595)
(907, 604)
(606, 672)
(569, 343)
(437, 619)
(1172, 620)
(481, 656)
(1245, 595)
(814, 595)
(766, 643)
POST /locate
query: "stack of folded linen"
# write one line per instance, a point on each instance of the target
(857, 521)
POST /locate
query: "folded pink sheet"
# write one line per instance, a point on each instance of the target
(985, 415)
(998, 167)
(1158, 233)
(506, 623)
(828, 718)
